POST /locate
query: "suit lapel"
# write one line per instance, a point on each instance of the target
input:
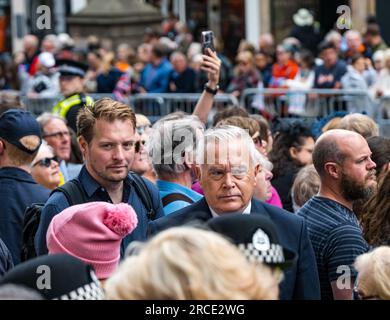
(202, 207)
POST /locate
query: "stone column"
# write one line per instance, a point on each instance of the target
(18, 24)
(253, 19)
(360, 10)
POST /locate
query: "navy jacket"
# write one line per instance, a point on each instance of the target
(18, 190)
(301, 280)
(94, 192)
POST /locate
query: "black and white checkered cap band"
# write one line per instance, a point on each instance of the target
(90, 291)
(273, 255)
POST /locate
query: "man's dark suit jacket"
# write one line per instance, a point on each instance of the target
(301, 280)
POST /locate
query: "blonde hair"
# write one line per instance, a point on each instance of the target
(377, 276)
(142, 120)
(361, 124)
(306, 185)
(246, 55)
(332, 124)
(106, 109)
(190, 264)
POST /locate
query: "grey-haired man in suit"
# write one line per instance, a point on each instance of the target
(227, 169)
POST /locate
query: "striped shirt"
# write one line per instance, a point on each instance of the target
(336, 238)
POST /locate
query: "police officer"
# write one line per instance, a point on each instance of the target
(72, 88)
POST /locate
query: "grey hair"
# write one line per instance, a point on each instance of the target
(263, 161)
(172, 140)
(52, 38)
(353, 33)
(44, 146)
(332, 34)
(225, 135)
(176, 54)
(46, 117)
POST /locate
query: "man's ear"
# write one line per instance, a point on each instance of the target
(2, 147)
(188, 159)
(197, 172)
(258, 169)
(332, 169)
(83, 144)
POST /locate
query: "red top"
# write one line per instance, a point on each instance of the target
(287, 71)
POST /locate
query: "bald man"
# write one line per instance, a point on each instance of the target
(347, 173)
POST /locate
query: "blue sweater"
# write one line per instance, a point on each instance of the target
(155, 79)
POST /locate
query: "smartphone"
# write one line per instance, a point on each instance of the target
(207, 41)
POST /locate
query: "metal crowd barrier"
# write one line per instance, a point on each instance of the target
(40, 105)
(306, 103)
(314, 102)
(383, 116)
(154, 106)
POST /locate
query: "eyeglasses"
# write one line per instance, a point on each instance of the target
(243, 62)
(45, 162)
(138, 145)
(59, 134)
(238, 172)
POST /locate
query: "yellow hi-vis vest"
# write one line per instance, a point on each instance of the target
(62, 107)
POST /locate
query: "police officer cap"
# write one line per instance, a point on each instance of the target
(71, 68)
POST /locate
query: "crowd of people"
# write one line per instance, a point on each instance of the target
(168, 61)
(239, 208)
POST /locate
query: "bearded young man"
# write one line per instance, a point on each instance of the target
(347, 173)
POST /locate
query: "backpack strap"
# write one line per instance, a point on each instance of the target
(144, 193)
(73, 192)
(172, 197)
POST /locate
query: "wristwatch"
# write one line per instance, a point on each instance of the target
(211, 90)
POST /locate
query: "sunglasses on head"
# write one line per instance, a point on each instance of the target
(141, 129)
(45, 162)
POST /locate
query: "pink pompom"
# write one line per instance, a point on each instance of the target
(122, 219)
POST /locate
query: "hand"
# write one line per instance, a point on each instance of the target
(212, 65)
(172, 86)
(368, 63)
(379, 93)
(338, 85)
(236, 93)
(33, 95)
(142, 90)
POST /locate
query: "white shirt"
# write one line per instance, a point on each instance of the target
(247, 210)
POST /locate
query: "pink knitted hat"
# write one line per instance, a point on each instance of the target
(93, 233)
